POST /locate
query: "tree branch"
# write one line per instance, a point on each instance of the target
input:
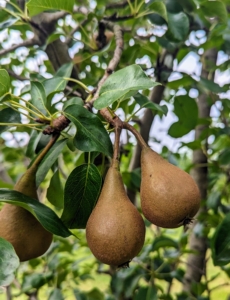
(27, 43)
(116, 56)
(200, 175)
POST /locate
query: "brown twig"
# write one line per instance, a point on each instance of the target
(26, 43)
(16, 76)
(116, 56)
(70, 37)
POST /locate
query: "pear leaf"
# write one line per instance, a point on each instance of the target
(46, 216)
(91, 134)
(120, 83)
(82, 190)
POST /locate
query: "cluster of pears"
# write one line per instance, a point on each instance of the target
(18, 226)
(115, 230)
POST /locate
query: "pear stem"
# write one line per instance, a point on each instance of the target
(137, 135)
(116, 151)
(41, 155)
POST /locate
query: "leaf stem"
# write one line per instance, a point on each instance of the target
(78, 82)
(15, 104)
(28, 116)
(44, 151)
(35, 108)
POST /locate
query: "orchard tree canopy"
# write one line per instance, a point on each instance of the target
(86, 87)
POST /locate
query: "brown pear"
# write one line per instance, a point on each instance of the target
(169, 196)
(20, 227)
(115, 230)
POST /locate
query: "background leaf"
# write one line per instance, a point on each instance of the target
(49, 160)
(4, 82)
(216, 9)
(55, 191)
(82, 190)
(143, 101)
(187, 111)
(220, 243)
(9, 262)
(44, 214)
(9, 115)
(178, 27)
(38, 96)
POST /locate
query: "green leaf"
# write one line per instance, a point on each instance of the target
(35, 281)
(9, 262)
(9, 22)
(214, 200)
(163, 242)
(210, 85)
(185, 81)
(4, 82)
(216, 9)
(152, 293)
(33, 142)
(55, 191)
(71, 101)
(56, 294)
(141, 293)
(91, 134)
(131, 78)
(37, 6)
(187, 111)
(143, 101)
(224, 158)
(9, 115)
(65, 70)
(49, 160)
(178, 27)
(38, 96)
(158, 8)
(82, 190)
(41, 212)
(220, 243)
(54, 85)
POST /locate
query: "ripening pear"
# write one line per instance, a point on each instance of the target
(169, 196)
(19, 227)
(115, 230)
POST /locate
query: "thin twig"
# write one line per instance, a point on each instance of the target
(27, 43)
(116, 56)
(16, 76)
(70, 37)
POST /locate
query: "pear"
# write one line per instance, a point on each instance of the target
(19, 227)
(115, 230)
(169, 196)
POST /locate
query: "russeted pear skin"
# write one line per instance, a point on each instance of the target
(115, 230)
(20, 227)
(169, 196)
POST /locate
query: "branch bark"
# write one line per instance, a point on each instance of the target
(200, 175)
